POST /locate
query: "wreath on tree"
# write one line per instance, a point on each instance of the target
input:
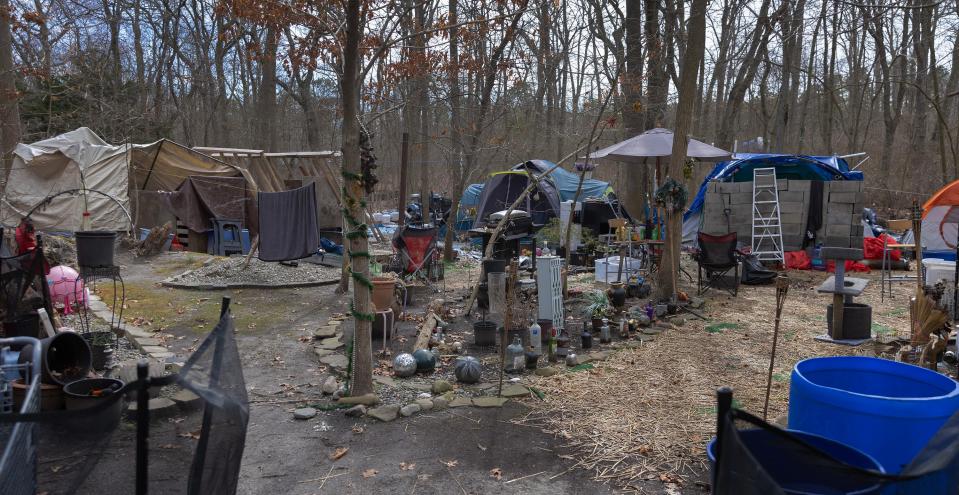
(672, 195)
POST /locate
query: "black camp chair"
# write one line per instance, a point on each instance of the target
(754, 457)
(717, 256)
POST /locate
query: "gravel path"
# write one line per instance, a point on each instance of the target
(233, 272)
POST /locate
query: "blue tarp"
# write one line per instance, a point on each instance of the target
(740, 169)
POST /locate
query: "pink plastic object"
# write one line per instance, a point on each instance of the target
(63, 282)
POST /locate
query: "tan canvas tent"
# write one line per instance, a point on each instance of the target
(57, 179)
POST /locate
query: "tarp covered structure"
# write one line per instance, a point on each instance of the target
(791, 167)
(940, 223)
(57, 179)
(502, 189)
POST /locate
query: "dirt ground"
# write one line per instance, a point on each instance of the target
(669, 381)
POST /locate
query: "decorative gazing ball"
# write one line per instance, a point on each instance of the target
(425, 361)
(467, 369)
(571, 359)
(404, 365)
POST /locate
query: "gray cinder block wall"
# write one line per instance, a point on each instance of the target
(728, 208)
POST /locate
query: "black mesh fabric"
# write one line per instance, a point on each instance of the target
(84, 452)
(717, 251)
(758, 458)
(215, 374)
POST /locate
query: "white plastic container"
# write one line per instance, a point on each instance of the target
(606, 268)
(939, 270)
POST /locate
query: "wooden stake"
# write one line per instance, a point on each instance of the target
(782, 288)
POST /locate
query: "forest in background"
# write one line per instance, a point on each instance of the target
(483, 84)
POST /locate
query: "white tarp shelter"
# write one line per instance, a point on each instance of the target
(57, 179)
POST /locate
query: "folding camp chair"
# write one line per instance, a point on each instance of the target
(717, 256)
(415, 251)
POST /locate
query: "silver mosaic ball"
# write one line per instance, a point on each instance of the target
(571, 359)
(404, 365)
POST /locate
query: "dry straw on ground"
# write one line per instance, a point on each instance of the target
(647, 412)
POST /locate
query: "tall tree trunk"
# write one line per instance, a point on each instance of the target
(361, 381)
(456, 135)
(634, 187)
(657, 83)
(692, 57)
(9, 110)
(266, 96)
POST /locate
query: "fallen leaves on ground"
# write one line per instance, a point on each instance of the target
(496, 473)
(407, 466)
(369, 473)
(671, 478)
(339, 453)
(451, 463)
(357, 430)
(195, 435)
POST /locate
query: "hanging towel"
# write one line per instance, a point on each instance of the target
(288, 224)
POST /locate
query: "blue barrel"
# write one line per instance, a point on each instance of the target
(884, 408)
(791, 474)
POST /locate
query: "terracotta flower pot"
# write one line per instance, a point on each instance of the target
(383, 288)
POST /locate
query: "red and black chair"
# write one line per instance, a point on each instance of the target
(415, 248)
(717, 256)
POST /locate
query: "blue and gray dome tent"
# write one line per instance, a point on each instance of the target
(740, 169)
(502, 189)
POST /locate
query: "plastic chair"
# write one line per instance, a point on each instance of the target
(717, 256)
(227, 237)
(899, 226)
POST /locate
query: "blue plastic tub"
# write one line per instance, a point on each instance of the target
(795, 478)
(886, 409)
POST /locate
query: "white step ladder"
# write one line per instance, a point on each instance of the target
(767, 242)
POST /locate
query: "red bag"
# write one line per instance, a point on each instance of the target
(851, 266)
(797, 260)
(872, 248)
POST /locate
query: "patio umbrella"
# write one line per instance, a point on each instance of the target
(657, 143)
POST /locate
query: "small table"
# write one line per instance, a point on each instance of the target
(843, 290)
(89, 276)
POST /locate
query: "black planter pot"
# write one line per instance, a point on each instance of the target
(856, 321)
(617, 295)
(95, 248)
(80, 395)
(26, 325)
(484, 333)
(65, 358)
(101, 348)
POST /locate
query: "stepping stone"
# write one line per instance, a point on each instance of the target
(598, 356)
(652, 331)
(330, 385)
(425, 404)
(162, 356)
(490, 401)
(409, 410)
(148, 341)
(546, 371)
(384, 380)
(422, 387)
(304, 413)
(385, 413)
(323, 352)
(186, 399)
(335, 361)
(324, 332)
(440, 403)
(356, 411)
(135, 332)
(461, 402)
(330, 343)
(515, 391)
(366, 400)
(150, 349)
(159, 408)
(441, 386)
